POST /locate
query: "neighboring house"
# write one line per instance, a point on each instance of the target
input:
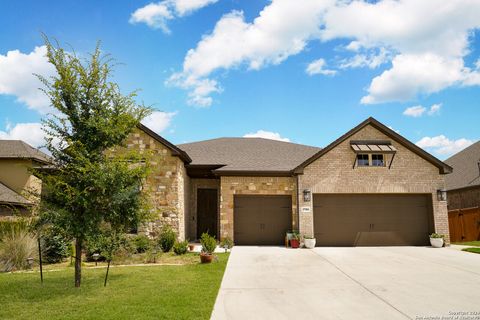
(369, 187)
(463, 189)
(18, 187)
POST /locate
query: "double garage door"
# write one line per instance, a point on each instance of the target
(372, 219)
(339, 219)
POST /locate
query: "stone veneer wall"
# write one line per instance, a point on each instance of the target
(166, 184)
(192, 219)
(334, 173)
(231, 186)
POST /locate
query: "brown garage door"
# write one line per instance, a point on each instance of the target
(261, 220)
(372, 220)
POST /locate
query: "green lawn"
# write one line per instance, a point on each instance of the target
(145, 292)
(469, 243)
(473, 249)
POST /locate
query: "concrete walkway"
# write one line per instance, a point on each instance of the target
(348, 283)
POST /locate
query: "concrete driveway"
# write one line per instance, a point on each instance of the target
(349, 283)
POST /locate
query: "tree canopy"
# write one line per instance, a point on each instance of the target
(90, 187)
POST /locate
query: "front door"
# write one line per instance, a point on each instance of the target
(207, 208)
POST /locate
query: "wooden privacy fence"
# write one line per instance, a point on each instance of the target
(464, 224)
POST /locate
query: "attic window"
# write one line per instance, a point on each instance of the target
(372, 153)
(377, 160)
(362, 160)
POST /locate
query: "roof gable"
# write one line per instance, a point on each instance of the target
(176, 151)
(466, 165)
(443, 168)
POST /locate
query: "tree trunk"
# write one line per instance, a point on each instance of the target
(78, 261)
(106, 275)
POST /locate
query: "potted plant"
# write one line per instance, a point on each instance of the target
(436, 240)
(309, 241)
(208, 248)
(295, 240)
(226, 244)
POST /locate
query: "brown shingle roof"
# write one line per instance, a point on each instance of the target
(466, 168)
(17, 149)
(248, 154)
(9, 196)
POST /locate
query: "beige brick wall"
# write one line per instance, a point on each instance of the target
(409, 173)
(166, 184)
(231, 186)
(191, 219)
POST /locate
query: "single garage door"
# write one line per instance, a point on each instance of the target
(372, 220)
(261, 220)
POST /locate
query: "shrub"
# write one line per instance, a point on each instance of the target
(142, 243)
(180, 247)
(6, 226)
(16, 246)
(226, 243)
(167, 238)
(436, 236)
(55, 245)
(208, 243)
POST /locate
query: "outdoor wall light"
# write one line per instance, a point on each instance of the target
(307, 195)
(442, 195)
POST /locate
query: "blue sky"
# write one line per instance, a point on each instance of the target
(303, 70)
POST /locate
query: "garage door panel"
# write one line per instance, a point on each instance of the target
(369, 220)
(261, 220)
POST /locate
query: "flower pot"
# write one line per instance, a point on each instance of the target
(191, 247)
(206, 257)
(294, 243)
(310, 243)
(436, 242)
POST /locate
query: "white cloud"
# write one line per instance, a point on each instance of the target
(371, 60)
(158, 121)
(266, 135)
(441, 145)
(425, 41)
(434, 109)
(318, 67)
(412, 74)
(418, 111)
(16, 77)
(415, 111)
(282, 29)
(157, 15)
(31, 133)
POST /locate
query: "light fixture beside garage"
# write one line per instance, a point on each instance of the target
(307, 195)
(442, 195)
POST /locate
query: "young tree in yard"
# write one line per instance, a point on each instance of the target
(89, 187)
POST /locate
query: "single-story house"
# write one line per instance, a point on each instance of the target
(18, 187)
(463, 190)
(369, 187)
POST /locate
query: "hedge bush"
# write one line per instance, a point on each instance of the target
(167, 238)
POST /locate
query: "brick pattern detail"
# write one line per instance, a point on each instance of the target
(165, 184)
(231, 186)
(409, 173)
